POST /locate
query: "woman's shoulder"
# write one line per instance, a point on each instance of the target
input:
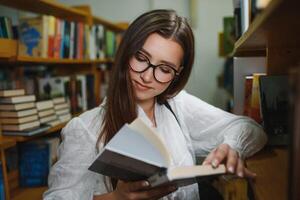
(89, 121)
(183, 98)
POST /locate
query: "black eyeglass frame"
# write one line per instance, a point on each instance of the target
(154, 67)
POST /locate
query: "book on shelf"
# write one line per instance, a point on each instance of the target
(17, 99)
(62, 111)
(136, 152)
(21, 113)
(81, 92)
(27, 132)
(247, 95)
(58, 100)
(255, 108)
(20, 127)
(17, 107)
(44, 105)
(33, 34)
(229, 37)
(34, 163)
(44, 113)
(10, 93)
(49, 118)
(6, 28)
(65, 117)
(54, 122)
(19, 120)
(274, 95)
(62, 106)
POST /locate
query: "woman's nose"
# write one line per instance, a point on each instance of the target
(147, 75)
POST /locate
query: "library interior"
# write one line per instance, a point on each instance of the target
(57, 60)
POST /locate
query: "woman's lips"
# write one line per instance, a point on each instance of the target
(141, 86)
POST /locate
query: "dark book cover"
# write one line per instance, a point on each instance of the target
(66, 39)
(274, 92)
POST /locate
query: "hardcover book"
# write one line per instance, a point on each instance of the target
(136, 152)
(9, 93)
(27, 132)
(22, 113)
(274, 92)
(20, 127)
(17, 107)
(18, 99)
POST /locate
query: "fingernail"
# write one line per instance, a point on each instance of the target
(230, 169)
(205, 163)
(240, 174)
(215, 163)
(146, 184)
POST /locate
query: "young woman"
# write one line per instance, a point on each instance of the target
(152, 66)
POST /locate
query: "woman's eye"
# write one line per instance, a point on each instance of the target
(165, 69)
(140, 57)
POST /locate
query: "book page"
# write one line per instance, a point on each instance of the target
(133, 144)
(149, 133)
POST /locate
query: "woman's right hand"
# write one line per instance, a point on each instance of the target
(140, 190)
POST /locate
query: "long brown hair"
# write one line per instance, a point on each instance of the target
(120, 106)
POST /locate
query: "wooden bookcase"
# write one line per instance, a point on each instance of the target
(274, 34)
(9, 55)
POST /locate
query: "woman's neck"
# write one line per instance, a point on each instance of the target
(148, 107)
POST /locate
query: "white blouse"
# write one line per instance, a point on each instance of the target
(202, 128)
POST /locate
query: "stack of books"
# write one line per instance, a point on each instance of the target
(47, 113)
(62, 109)
(18, 113)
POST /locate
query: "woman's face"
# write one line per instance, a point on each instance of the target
(159, 51)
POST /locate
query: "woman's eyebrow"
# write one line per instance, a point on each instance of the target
(146, 52)
(163, 61)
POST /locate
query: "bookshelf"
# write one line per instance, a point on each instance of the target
(8, 48)
(9, 57)
(273, 36)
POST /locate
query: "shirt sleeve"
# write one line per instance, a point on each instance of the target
(209, 127)
(69, 178)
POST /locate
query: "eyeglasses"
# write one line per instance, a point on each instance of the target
(162, 73)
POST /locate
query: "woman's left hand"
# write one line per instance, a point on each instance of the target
(234, 164)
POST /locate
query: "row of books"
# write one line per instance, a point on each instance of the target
(79, 89)
(50, 37)
(20, 114)
(266, 101)
(245, 12)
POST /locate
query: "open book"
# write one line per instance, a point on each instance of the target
(136, 152)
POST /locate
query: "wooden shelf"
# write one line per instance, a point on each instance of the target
(278, 26)
(109, 25)
(47, 7)
(6, 142)
(27, 138)
(53, 61)
(8, 48)
(271, 167)
(34, 193)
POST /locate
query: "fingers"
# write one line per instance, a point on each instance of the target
(156, 193)
(232, 160)
(234, 164)
(135, 186)
(249, 174)
(217, 155)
